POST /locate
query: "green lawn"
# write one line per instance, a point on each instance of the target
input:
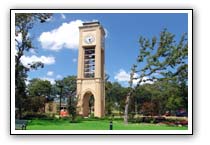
(39, 124)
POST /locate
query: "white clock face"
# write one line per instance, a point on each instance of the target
(89, 39)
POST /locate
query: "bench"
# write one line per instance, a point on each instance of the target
(20, 124)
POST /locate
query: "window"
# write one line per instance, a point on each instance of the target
(89, 64)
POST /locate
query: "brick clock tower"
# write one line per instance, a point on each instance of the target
(90, 75)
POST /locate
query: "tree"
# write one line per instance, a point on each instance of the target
(108, 98)
(130, 93)
(70, 85)
(162, 59)
(174, 99)
(115, 97)
(161, 95)
(23, 23)
(36, 104)
(69, 91)
(38, 91)
(148, 108)
(165, 59)
(142, 94)
(38, 87)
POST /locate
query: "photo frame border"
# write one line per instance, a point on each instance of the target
(93, 132)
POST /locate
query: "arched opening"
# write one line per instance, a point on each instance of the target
(88, 104)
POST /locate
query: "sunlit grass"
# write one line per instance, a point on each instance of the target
(95, 124)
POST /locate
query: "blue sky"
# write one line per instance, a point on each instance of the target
(57, 43)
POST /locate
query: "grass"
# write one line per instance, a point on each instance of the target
(95, 124)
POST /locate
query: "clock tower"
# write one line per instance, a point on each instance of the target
(90, 75)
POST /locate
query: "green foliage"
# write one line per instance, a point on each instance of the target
(149, 108)
(69, 90)
(115, 97)
(108, 98)
(157, 98)
(38, 92)
(35, 103)
(162, 60)
(69, 85)
(23, 23)
(163, 55)
(147, 99)
(157, 120)
(34, 115)
(72, 108)
(38, 87)
(77, 119)
(174, 103)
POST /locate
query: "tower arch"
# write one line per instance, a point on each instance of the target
(88, 103)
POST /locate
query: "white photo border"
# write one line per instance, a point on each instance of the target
(101, 132)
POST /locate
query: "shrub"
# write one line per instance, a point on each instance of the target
(34, 115)
(78, 119)
(144, 119)
(148, 108)
(182, 122)
(159, 119)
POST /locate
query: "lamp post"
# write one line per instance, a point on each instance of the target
(60, 85)
(111, 123)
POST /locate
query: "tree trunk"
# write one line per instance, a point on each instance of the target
(127, 102)
(136, 107)
(20, 112)
(126, 108)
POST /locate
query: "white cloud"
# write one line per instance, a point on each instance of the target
(135, 81)
(63, 16)
(26, 60)
(50, 73)
(74, 60)
(123, 76)
(106, 32)
(33, 51)
(67, 35)
(18, 37)
(27, 81)
(59, 77)
(51, 80)
(146, 81)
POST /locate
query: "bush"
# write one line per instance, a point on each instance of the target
(78, 119)
(182, 122)
(34, 115)
(149, 108)
(143, 119)
(159, 119)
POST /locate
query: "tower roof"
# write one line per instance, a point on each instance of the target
(91, 23)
